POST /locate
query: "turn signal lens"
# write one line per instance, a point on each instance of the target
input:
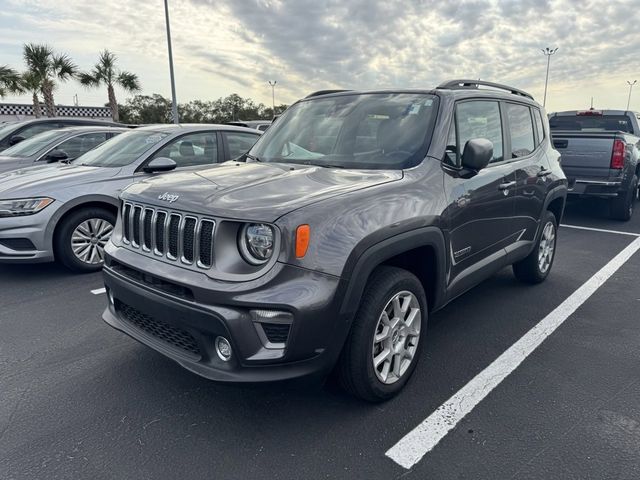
(303, 234)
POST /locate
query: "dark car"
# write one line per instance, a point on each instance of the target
(600, 155)
(14, 132)
(59, 145)
(355, 216)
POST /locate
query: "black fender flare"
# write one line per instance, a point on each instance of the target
(559, 191)
(358, 270)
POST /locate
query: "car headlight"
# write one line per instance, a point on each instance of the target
(256, 243)
(23, 206)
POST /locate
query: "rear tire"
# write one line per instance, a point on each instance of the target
(387, 330)
(81, 237)
(621, 207)
(536, 266)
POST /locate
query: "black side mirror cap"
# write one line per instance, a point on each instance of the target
(477, 154)
(160, 164)
(56, 156)
(15, 140)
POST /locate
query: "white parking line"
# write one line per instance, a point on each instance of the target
(422, 439)
(618, 232)
(99, 291)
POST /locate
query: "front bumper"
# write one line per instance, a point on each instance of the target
(182, 317)
(25, 239)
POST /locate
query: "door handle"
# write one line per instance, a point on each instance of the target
(507, 186)
(544, 172)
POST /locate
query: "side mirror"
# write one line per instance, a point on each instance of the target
(160, 164)
(477, 154)
(15, 140)
(56, 155)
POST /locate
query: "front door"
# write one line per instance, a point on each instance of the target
(481, 209)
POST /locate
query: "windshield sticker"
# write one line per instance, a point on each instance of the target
(414, 109)
(153, 138)
(428, 102)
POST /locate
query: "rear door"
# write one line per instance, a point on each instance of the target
(481, 208)
(526, 140)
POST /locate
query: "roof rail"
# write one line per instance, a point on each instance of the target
(474, 84)
(325, 92)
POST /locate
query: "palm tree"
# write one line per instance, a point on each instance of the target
(30, 82)
(9, 80)
(48, 67)
(105, 73)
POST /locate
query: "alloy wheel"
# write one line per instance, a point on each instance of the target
(396, 337)
(547, 247)
(89, 239)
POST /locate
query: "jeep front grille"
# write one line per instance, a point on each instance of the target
(171, 235)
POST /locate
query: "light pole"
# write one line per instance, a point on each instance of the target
(174, 104)
(548, 52)
(631, 84)
(273, 97)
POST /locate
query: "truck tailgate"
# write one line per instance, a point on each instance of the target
(584, 154)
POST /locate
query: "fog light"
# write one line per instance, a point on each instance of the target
(223, 349)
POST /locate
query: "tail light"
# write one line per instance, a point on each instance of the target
(617, 156)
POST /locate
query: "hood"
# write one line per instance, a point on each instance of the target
(253, 191)
(11, 163)
(50, 179)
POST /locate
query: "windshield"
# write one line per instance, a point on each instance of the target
(370, 131)
(121, 150)
(591, 123)
(33, 145)
(5, 128)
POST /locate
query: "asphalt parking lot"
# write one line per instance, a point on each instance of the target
(80, 400)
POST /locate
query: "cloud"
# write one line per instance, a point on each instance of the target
(226, 46)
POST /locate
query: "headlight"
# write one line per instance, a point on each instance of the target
(23, 206)
(256, 243)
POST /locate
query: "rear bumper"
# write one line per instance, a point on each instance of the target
(184, 329)
(595, 188)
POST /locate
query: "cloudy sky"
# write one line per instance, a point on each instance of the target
(236, 46)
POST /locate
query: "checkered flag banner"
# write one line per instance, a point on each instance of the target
(62, 110)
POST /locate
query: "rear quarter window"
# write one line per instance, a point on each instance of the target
(520, 130)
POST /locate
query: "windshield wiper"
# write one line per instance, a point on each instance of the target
(252, 157)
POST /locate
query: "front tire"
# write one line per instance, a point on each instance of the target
(81, 238)
(384, 344)
(621, 207)
(536, 266)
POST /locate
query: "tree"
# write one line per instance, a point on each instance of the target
(9, 80)
(48, 67)
(147, 109)
(105, 73)
(30, 82)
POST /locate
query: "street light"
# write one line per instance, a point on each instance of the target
(548, 52)
(631, 84)
(273, 97)
(174, 106)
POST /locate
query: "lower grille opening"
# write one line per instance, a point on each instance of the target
(18, 244)
(169, 334)
(276, 332)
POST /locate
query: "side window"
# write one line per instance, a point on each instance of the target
(480, 119)
(539, 125)
(521, 129)
(76, 146)
(239, 143)
(31, 130)
(191, 149)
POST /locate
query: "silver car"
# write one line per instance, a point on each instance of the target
(66, 212)
(62, 145)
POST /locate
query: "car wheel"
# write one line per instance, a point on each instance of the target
(621, 207)
(537, 265)
(81, 238)
(383, 346)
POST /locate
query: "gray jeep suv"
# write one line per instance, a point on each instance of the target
(351, 220)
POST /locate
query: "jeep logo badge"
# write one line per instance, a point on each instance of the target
(168, 197)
